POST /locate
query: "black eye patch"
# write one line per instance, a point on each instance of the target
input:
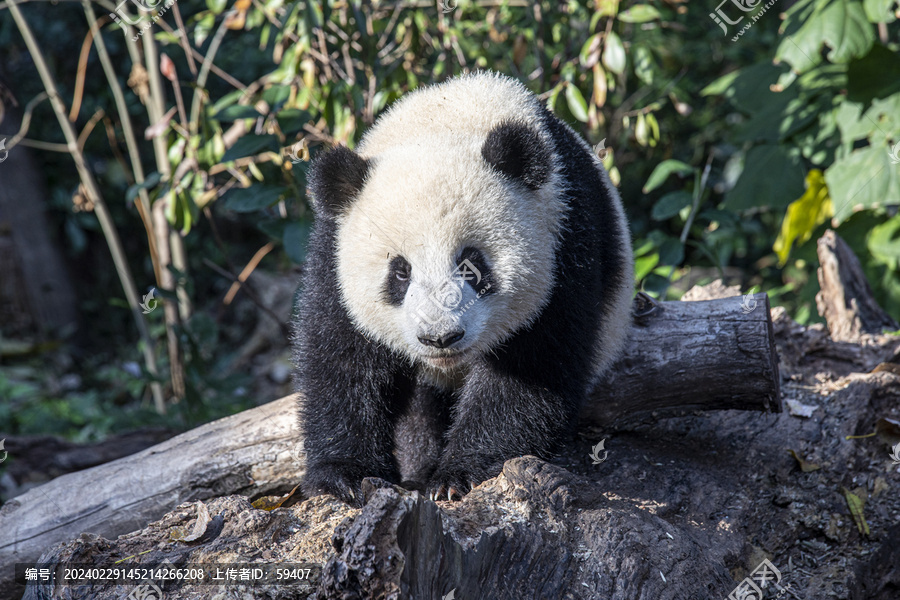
(474, 269)
(399, 271)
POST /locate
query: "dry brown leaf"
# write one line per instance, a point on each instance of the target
(805, 466)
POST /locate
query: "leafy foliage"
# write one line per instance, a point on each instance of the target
(731, 152)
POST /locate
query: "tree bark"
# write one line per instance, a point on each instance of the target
(845, 300)
(681, 357)
(686, 356)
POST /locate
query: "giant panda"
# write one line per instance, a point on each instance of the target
(468, 276)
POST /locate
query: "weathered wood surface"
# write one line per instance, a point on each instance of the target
(682, 357)
(687, 356)
(250, 453)
(845, 299)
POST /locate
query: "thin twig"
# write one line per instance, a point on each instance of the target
(127, 129)
(182, 37)
(39, 145)
(247, 271)
(195, 54)
(26, 120)
(89, 127)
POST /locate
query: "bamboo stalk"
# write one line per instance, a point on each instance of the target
(103, 216)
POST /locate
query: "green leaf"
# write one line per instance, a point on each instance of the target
(865, 178)
(879, 11)
(671, 252)
(250, 145)
(276, 96)
(133, 191)
(884, 242)
(216, 6)
(644, 67)
(585, 55)
(876, 75)
(804, 215)
(662, 172)
(236, 112)
(292, 120)
(253, 198)
(614, 54)
(772, 176)
(839, 24)
(639, 13)
(857, 510)
(644, 265)
(577, 104)
(296, 237)
(670, 205)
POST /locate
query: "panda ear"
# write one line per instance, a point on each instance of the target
(518, 152)
(335, 179)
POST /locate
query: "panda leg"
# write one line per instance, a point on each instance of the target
(348, 424)
(507, 408)
(418, 435)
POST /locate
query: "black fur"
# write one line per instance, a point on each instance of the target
(367, 414)
(335, 178)
(398, 280)
(518, 152)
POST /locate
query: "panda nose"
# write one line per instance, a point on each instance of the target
(443, 341)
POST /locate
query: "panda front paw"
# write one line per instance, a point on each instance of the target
(453, 482)
(340, 479)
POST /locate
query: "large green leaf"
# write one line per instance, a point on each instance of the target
(879, 11)
(662, 172)
(670, 205)
(884, 242)
(253, 198)
(841, 25)
(865, 178)
(876, 75)
(771, 177)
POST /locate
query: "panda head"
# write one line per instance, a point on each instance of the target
(445, 246)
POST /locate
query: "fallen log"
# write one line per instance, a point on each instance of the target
(681, 357)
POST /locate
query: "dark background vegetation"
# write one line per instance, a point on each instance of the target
(733, 153)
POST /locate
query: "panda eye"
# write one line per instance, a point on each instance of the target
(397, 281)
(400, 268)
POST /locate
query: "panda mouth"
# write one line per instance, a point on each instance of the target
(446, 361)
